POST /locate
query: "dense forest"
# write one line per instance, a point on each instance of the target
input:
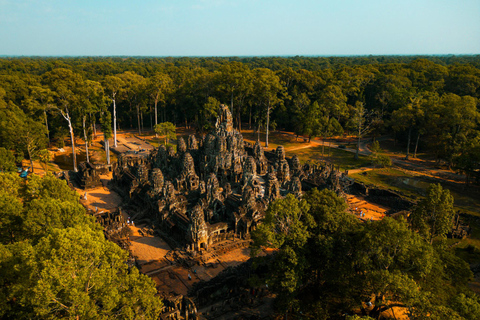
(55, 261)
(325, 261)
(426, 103)
(328, 265)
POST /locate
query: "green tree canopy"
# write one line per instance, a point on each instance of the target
(74, 273)
(166, 129)
(7, 160)
(55, 261)
(434, 215)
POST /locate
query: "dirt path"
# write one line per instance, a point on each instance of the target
(309, 145)
(416, 165)
(102, 197)
(365, 210)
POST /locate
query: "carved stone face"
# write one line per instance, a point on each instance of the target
(249, 167)
(258, 150)
(170, 151)
(181, 146)
(248, 197)
(188, 165)
(280, 152)
(296, 163)
(192, 142)
(157, 179)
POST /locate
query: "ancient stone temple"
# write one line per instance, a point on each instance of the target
(214, 187)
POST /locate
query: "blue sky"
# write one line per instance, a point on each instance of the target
(238, 27)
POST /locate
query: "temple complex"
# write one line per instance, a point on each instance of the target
(215, 187)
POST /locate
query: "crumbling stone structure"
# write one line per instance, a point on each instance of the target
(178, 307)
(215, 187)
(88, 175)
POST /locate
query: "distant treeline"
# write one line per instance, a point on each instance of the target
(426, 102)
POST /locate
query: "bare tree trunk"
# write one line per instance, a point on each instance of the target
(46, 125)
(85, 137)
(416, 146)
(239, 119)
(408, 142)
(141, 121)
(114, 123)
(107, 149)
(138, 119)
(72, 138)
(358, 144)
(268, 123)
(151, 119)
(156, 122)
(250, 119)
(94, 127)
(29, 151)
(231, 102)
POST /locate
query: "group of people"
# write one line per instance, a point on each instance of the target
(362, 214)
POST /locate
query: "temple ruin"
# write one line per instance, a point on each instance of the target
(215, 187)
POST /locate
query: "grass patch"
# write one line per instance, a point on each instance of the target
(400, 149)
(155, 142)
(275, 139)
(344, 159)
(393, 179)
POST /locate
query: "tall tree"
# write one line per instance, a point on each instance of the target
(312, 120)
(134, 92)
(268, 92)
(363, 121)
(333, 105)
(91, 100)
(235, 81)
(159, 86)
(300, 105)
(33, 138)
(66, 85)
(21, 133)
(41, 99)
(166, 129)
(207, 114)
(113, 85)
(408, 117)
(106, 123)
(433, 216)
